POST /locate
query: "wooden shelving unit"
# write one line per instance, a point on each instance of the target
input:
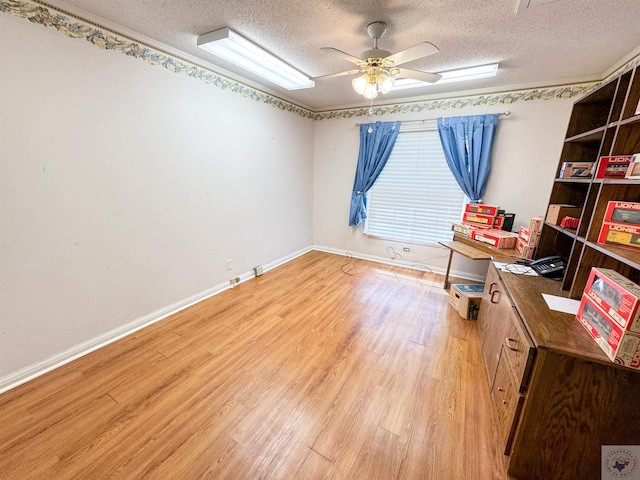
(602, 123)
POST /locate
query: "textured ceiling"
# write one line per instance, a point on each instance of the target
(538, 43)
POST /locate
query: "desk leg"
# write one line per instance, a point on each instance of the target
(446, 276)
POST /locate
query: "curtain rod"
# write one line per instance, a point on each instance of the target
(424, 120)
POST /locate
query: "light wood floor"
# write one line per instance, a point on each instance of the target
(304, 373)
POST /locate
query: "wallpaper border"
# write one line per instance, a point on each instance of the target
(102, 37)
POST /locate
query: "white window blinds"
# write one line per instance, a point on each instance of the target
(415, 198)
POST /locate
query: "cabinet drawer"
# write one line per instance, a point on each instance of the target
(507, 403)
(518, 349)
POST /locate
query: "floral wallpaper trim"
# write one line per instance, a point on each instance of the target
(102, 37)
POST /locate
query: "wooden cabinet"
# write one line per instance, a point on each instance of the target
(557, 398)
(602, 123)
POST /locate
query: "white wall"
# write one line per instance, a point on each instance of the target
(525, 156)
(124, 188)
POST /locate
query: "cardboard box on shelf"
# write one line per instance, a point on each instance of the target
(557, 211)
(615, 166)
(621, 346)
(497, 238)
(622, 212)
(623, 235)
(633, 170)
(618, 296)
(465, 299)
(576, 170)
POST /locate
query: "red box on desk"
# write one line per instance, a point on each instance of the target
(481, 208)
(623, 235)
(468, 230)
(524, 250)
(478, 218)
(618, 296)
(623, 212)
(613, 166)
(621, 346)
(535, 224)
(497, 238)
(528, 239)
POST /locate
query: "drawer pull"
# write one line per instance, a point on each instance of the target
(493, 296)
(509, 344)
(491, 290)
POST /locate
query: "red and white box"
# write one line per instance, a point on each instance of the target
(622, 212)
(615, 166)
(524, 250)
(621, 346)
(528, 239)
(497, 238)
(482, 208)
(623, 235)
(468, 230)
(478, 218)
(618, 296)
(535, 224)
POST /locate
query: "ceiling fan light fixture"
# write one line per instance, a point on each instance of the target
(386, 83)
(370, 91)
(236, 49)
(360, 83)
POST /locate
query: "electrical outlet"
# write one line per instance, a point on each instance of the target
(229, 264)
(258, 270)
(237, 280)
(406, 249)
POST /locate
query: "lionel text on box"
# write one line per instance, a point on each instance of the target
(465, 299)
(620, 235)
(622, 212)
(497, 238)
(613, 166)
(618, 296)
(576, 170)
(621, 346)
(558, 211)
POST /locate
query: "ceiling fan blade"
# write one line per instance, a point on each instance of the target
(422, 76)
(423, 49)
(339, 74)
(341, 54)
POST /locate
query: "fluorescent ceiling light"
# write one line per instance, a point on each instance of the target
(451, 76)
(234, 48)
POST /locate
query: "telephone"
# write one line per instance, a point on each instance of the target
(552, 267)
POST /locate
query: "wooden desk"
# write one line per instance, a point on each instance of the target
(465, 250)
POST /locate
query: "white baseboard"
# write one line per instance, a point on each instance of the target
(23, 375)
(400, 263)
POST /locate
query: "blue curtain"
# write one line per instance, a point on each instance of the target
(467, 143)
(376, 142)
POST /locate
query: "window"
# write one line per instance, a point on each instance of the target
(416, 198)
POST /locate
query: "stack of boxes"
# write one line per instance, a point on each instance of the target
(528, 238)
(621, 225)
(488, 224)
(610, 311)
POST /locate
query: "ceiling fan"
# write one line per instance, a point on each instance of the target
(379, 68)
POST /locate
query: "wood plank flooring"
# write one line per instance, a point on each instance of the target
(307, 372)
